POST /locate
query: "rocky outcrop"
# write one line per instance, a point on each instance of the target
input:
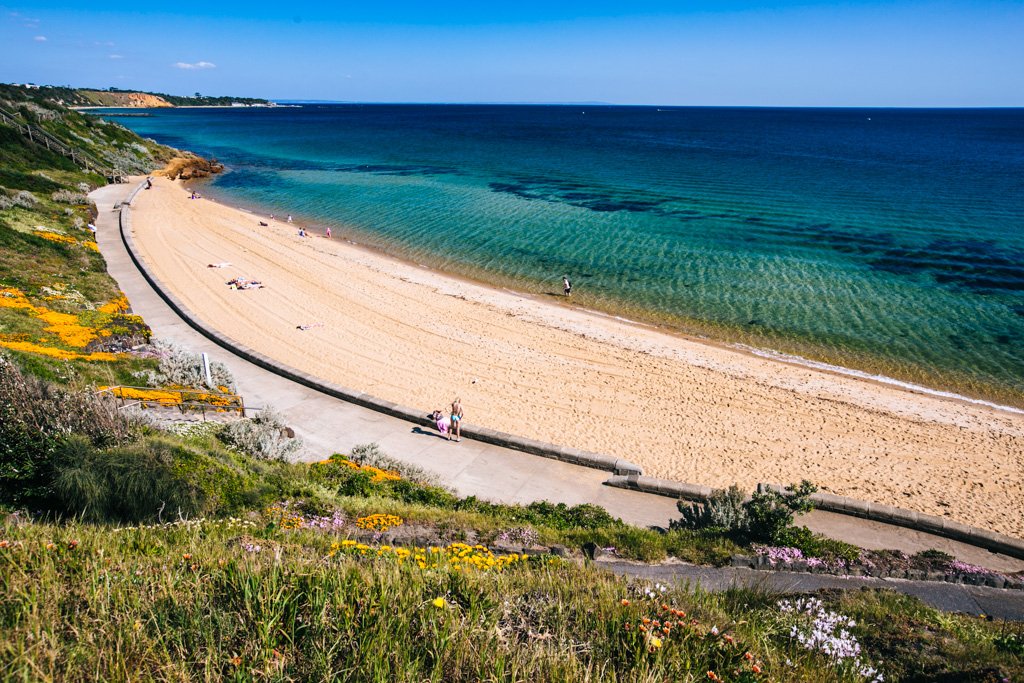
(189, 166)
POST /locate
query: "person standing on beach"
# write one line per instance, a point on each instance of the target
(327, 234)
(456, 427)
(566, 285)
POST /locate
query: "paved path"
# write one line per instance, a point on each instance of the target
(329, 425)
(948, 597)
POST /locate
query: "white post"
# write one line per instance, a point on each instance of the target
(206, 371)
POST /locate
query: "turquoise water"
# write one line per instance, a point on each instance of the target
(890, 241)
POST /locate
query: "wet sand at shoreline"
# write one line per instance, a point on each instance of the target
(681, 409)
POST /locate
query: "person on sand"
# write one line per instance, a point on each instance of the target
(456, 420)
(302, 232)
(566, 285)
(327, 233)
(289, 218)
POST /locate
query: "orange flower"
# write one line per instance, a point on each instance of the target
(756, 669)
(624, 602)
(236, 661)
(186, 556)
(72, 545)
(646, 620)
(665, 608)
(713, 676)
(747, 656)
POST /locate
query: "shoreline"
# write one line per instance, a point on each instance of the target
(789, 358)
(683, 409)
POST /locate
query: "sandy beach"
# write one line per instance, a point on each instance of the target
(682, 409)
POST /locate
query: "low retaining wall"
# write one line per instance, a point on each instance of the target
(491, 436)
(918, 521)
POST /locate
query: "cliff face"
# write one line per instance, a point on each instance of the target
(124, 99)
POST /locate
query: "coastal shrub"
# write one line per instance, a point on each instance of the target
(25, 199)
(263, 436)
(182, 368)
(371, 454)
(767, 517)
(36, 418)
(129, 484)
(69, 197)
(771, 512)
(723, 511)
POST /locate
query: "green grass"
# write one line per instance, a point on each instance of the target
(189, 602)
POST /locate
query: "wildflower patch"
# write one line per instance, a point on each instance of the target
(377, 475)
(453, 557)
(378, 522)
(65, 336)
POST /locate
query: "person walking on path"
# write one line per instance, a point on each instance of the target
(566, 285)
(456, 427)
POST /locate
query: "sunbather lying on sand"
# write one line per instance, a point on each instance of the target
(244, 283)
(308, 327)
(222, 264)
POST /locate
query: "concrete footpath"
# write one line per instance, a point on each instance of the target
(329, 425)
(948, 597)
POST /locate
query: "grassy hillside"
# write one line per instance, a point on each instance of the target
(61, 315)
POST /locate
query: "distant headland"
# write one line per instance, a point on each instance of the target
(81, 98)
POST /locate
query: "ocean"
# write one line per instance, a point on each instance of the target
(885, 241)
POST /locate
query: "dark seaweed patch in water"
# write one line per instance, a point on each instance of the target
(602, 200)
(980, 266)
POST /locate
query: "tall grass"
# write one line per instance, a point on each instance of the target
(237, 600)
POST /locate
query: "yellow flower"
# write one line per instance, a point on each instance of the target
(438, 602)
(655, 643)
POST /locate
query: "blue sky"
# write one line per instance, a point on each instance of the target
(676, 53)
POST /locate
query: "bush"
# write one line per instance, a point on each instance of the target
(130, 484)
(771, 512)
(262, 437)
(724, 511)
(69, 197)
(25, 199)
(372, 455)
(182, 368)
(766, 518)
(36, 418)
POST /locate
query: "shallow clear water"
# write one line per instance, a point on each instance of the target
(886, 240)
